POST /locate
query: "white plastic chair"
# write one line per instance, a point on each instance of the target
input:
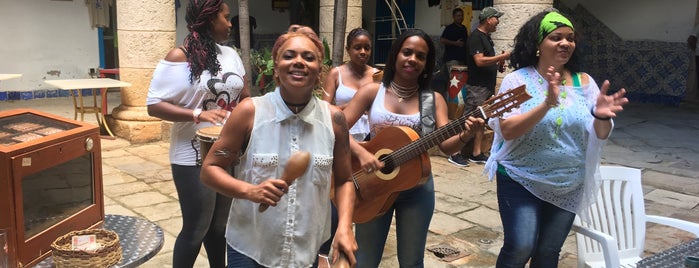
(615, 235)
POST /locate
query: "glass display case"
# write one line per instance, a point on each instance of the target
(50, 181)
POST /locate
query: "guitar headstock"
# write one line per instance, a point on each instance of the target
(504, 102)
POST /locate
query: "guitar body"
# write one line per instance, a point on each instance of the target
(407, 163)
(376, 191)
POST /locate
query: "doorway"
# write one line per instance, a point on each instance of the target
(109, 52)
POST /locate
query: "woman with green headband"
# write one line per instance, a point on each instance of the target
(546, 152)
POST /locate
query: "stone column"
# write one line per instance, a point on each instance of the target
(326, 19)
(146, 32)
(517, 12)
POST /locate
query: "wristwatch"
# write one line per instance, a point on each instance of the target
(195, 114)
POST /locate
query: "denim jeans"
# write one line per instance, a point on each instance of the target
(238, 260)
(413, 209)
(325, 248)
(534, 229)
(204, 219)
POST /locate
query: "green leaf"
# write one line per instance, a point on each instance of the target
(328, 61)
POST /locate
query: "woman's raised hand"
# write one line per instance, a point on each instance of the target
(608, 105)
(554, 79)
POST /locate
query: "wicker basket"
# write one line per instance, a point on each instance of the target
(107, 255)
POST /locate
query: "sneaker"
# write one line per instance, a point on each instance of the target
(480, 159)
(458, 160)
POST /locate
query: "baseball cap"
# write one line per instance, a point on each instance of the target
(488, 12)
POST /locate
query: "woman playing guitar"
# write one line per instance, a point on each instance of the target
(396, 103)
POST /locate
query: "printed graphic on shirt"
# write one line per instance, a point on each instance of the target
(225, 92)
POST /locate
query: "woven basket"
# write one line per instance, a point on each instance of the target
(107, 255)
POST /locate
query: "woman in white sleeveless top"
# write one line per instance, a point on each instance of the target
(260, 136)
(343, 81)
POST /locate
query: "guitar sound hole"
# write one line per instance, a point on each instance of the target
(388, 164)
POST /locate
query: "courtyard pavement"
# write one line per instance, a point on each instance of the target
(662, 141)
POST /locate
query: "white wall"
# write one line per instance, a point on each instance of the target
(428, 18)
(44, 39)
(670, 21)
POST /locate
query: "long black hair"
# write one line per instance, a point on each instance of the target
(527, 40)
(199, 44)
(426, 75)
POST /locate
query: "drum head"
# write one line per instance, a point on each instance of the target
(209, 133)
(459, 68)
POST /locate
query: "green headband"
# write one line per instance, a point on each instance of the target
(551, 22)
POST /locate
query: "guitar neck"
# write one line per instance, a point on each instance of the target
(430, 140)
(491, 108)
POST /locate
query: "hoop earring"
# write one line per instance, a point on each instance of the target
(538, 53)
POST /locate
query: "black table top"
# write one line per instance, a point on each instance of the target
(673, 257)
(140, 240)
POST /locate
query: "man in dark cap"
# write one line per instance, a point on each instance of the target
(483, 66)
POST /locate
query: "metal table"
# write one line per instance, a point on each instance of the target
(140, 240)
(671, 258)
(75, 87)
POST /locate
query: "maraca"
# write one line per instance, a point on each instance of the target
(295, 167)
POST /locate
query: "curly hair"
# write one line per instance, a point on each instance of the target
(199, 44)
(527, 40)
(426, 75)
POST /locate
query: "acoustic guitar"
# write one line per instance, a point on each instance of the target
(406, 162)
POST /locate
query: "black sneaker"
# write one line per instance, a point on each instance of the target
(458, 160)
(480, 159)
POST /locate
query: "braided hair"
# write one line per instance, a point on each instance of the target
(199, 44)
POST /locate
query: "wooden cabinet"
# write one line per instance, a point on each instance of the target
(50, 181)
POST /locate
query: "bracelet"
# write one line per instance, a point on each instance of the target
(460, 139)
(550, 105)
(592, 112)
(195, 114)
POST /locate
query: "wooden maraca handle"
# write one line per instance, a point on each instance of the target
(295, 167)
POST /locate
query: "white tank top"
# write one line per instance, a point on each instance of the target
(343, 95)
(380, 118)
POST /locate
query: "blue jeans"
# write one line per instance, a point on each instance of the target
(534, 229)
(325, 247)
(204, 219)
(413, 209)
(238, 260)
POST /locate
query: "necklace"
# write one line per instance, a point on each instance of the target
(560, 108)
(541, 78)
(296, 106)
(403, 92)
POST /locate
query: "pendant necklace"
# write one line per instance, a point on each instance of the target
(403, 92)
(562, 95)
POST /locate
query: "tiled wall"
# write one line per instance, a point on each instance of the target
(650, 71)
(39, 94)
